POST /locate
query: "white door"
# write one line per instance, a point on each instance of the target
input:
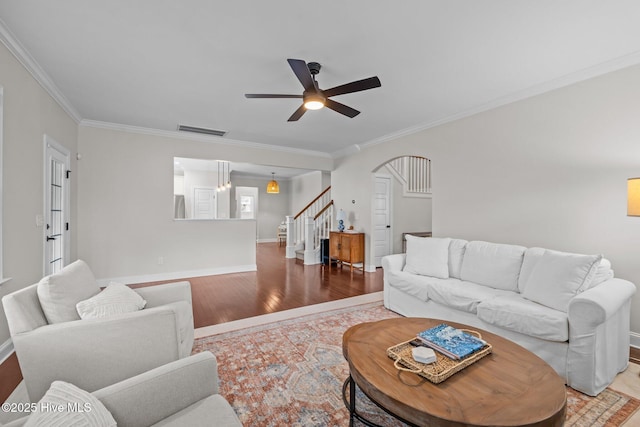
(56, 222)
(204, 203)
(381, 218)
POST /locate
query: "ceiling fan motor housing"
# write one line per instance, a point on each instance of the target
(314, 68)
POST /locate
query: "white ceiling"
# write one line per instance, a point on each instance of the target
(159, 63)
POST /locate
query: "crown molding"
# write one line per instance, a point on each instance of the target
(566, 80)
(30, 64)
(198, 137)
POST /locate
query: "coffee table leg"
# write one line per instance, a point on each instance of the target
(351, 404)
(352, 400)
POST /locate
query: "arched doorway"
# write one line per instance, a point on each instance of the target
(401, 203)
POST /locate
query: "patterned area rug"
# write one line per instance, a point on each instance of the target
(291, 373)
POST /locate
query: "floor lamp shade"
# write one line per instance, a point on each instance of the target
(633, 197)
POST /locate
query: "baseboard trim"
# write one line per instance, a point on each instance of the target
(6, 349)
(634, 339)
(272, 240)
(128, 280)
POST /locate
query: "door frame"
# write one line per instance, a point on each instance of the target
(51, 144)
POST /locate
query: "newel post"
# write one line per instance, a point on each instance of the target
(291, 243)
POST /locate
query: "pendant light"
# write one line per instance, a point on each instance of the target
(272, 186)
(218, 178)
(228, 175)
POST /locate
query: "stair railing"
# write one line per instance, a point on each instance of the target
(296, 224)
(414, 173)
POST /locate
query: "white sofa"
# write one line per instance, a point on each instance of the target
(53, 343)
(566, 308)
(180, 393)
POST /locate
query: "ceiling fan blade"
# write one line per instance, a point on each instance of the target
(341, 108)
(301, 70)
(269, 95)
(357, 86)
(297, 114)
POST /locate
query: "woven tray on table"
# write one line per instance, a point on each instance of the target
(439, 370)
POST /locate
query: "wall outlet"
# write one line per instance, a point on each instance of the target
(160, 260)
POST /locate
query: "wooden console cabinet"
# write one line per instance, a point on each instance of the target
(347, 247)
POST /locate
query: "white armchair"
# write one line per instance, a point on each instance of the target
(95, 353)
(181, 393)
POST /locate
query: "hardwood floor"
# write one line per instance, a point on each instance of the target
(279, 284)
(10, 376)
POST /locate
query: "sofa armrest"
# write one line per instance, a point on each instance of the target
(158, 295)
(112, 349)
(23, 310)
(599, 335)
(152, 396)
(394, 262)
(594, 306)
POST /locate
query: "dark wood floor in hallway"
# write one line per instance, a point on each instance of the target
(278, 284)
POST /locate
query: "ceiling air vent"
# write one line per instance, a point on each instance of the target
(204, 131)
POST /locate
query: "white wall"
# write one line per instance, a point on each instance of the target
(29, 113)
(409, 214)
(126, 206)
(305, 188)
(547, 171)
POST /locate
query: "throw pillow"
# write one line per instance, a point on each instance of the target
(558, 277)
(496, 265)
(428, 256)
(60, 292)
(67, 405)
(114, 299)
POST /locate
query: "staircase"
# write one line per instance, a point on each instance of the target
(308, 227)
(414, 173)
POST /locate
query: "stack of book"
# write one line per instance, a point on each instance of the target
(452, 342)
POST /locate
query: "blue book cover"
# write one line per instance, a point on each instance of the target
(450, 341)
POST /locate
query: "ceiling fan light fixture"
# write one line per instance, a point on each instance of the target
(314, 101)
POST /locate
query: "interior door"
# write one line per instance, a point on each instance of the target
(57, 174)
(381, 218)
(204, 202)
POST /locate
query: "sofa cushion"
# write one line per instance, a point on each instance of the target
(78, 408)
(533, 255)
(409, 283)
(211, 411)
(457, 248)
(521, 315)
(427, 256)
(604, 272)
(492, 264)
(114, 299)
(461, 295)
(558, 276)
(60, 292)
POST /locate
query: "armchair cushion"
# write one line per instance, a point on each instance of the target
(60, 292)
(67, 405)
(114, 299)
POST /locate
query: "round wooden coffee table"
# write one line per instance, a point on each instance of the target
(509, 387)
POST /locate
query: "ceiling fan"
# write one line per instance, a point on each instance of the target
(314, 98)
